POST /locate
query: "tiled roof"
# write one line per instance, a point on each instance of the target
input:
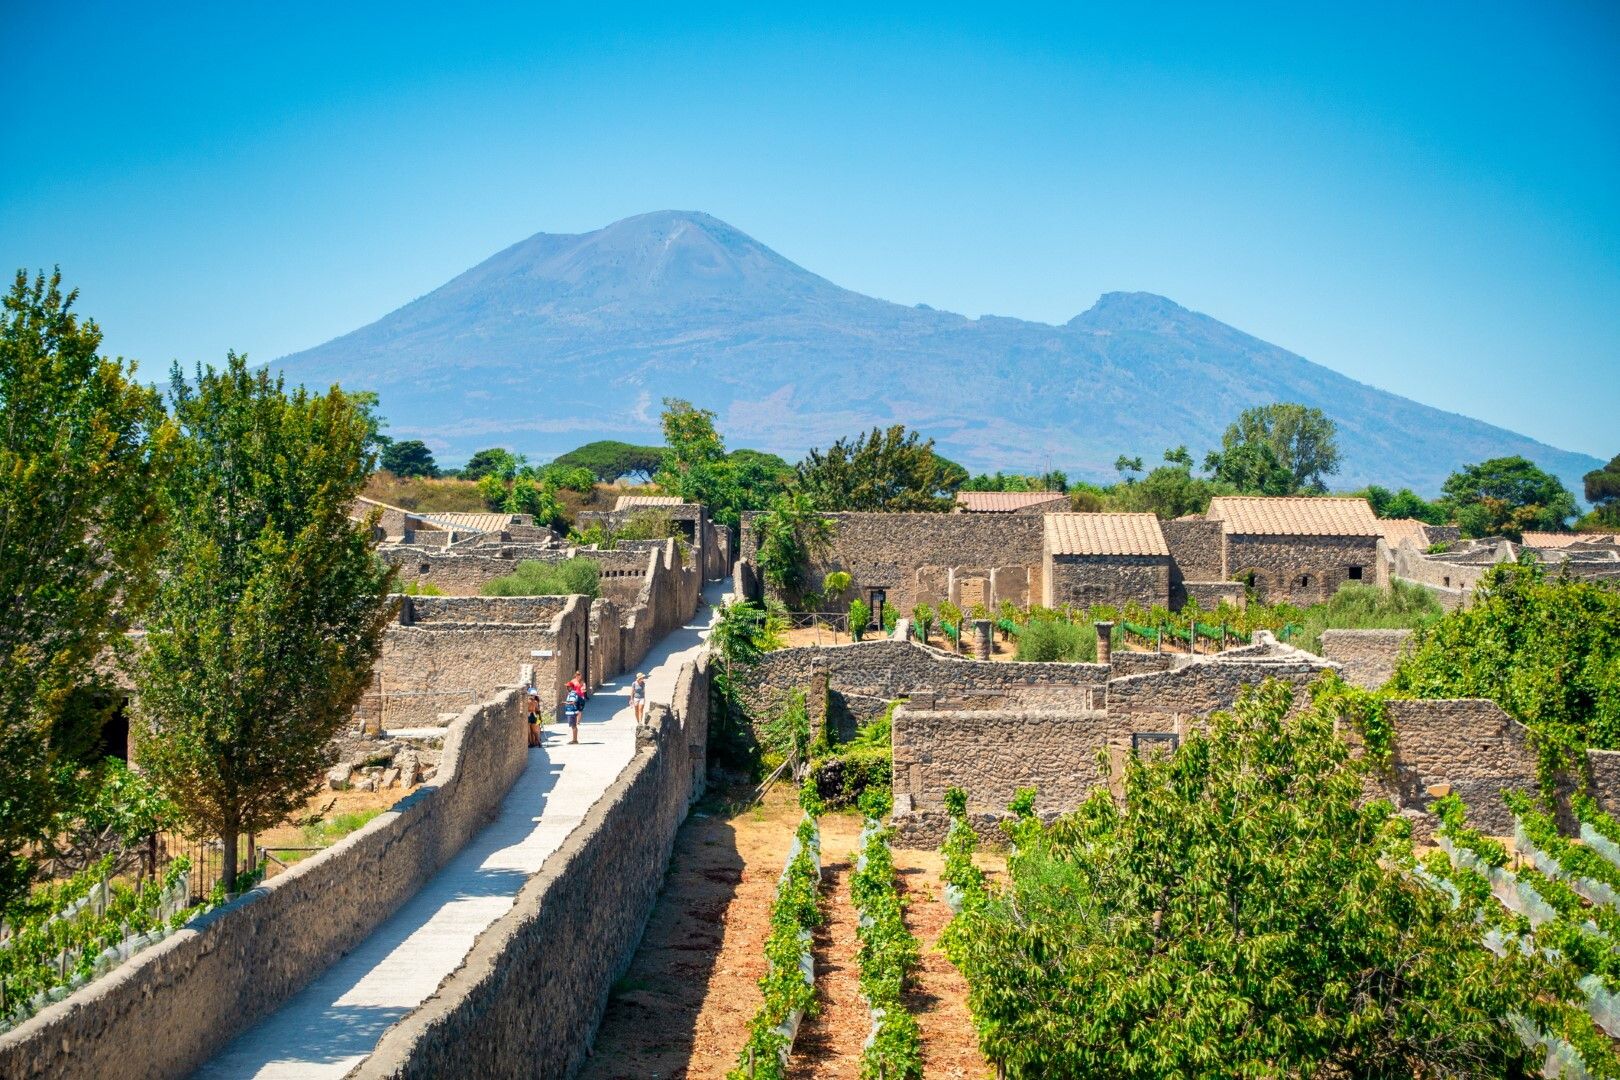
(1559, 540)
(1394, 530)
(1005, 502)
(1105, 534)
(637, 502)
(1294, 515)
(484, 523)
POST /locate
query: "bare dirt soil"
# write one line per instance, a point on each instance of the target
(830, 1041)
(682, 1010)
(939, 1000)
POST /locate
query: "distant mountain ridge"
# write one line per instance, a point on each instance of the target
(561, 339)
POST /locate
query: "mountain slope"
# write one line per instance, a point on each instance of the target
(561, 339)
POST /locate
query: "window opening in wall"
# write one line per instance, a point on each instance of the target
(425, 568)
(1355, 573)
(1447, 581)
(1154, 741)
(1304, 581)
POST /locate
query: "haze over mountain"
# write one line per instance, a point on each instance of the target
(561, 339)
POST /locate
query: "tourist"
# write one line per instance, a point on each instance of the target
(638, 694)
(574, 703)
(534, 717)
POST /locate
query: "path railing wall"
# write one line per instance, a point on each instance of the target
(171, 1007)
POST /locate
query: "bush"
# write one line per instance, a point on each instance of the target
(843, 777)
(1367, 607)
(859, 616)
(571, 577)
(1047, 641)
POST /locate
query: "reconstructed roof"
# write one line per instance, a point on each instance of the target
(1005, 502)
(1560, 540)
(484, 523)
(637, 502)
(1294, 515)
(1105, 534)
(1394, 530)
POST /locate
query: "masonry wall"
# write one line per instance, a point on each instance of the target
(1470, 745)
(1279, 563)
(1197, 549)
(463, 572)
(1117, 580)
(1368, 657)
(925, 558)
(1209, 595)
(528, 1000)
(669, 594)
(1171, 700)
(171, 1007)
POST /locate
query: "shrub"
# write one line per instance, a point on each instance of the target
(859, 616)
(843, 777)
(571, 577)
(1367, 607)
(1048, 641)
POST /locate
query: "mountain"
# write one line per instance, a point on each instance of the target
(562, 339)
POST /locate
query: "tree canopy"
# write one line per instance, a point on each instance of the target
(886, 469)
(495, 459)
(1603, 492)
(408, 457)
(1506, 496)
(272, 604)
(80, 451)
(1246, 912)
(610, 460)
(1278, 449)
(1405, 503)
(697, 468)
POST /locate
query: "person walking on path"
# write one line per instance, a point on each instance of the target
(534, 717)
(574, 704)
(638, 694)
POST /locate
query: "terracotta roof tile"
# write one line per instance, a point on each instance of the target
(1105, 534)
(1394, 530)
(1005, 502)
(484, 523)
(1294, 515)
(638, 502)
(1561, 540)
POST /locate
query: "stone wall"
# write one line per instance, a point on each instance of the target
(438, 666)
(1115, 580)
(1208, 594)
(1172, 699)
(1368, 657)
(171, 1007)
(532, 991)
(1197, 547)
(430, 610)
(864, 676)
(668, 596)
(463, 572)
(1301, 570)
(925, 558)
(1472, 746)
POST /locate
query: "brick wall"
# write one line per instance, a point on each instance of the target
(168, 1009)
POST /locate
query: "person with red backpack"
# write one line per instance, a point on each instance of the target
(574, 703)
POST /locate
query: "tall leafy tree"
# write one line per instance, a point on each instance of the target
(1277, 449)
(272, 605)
(886, 469)
(493, 459)
(1246, 912)
(1506, 496)
(697, 467)
(82, 447)
(1170, 490)
(409, 457)
(1603, 492)
(611, 460)
(1405, 503)
(790, 534)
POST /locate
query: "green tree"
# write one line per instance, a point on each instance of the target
(697, 468)
(1505, 497)
(81, 450)
(886, 469)
(1170, 490)
(1405, 503)
(493, 460)
(1547, 651)
(1128, 467)
(409, 457)
(1302, 442)
(1246, 912)
(789, 535)
(610, 460)
(1603, 492)
(368, 405)
(272, 604)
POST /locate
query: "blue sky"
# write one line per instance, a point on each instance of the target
(1427, 200)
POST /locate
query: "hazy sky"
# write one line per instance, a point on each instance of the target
(1427, 200)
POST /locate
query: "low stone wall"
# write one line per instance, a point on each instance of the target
(463, 573)
(865, 676)
(1470, 745)
(1167, 700)
(170, 1008)
(1368, 657)
(1208, 594)
(420, 610)
(1086, 581)
(532, 991)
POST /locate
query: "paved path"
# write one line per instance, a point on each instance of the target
(335, 1022)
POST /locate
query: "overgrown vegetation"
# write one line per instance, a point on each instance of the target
(578, 576)
(844, 773)
(1245, 912)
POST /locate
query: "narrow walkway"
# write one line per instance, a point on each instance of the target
(830, 1043)
(335, 1022)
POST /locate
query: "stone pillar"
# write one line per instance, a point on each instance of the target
(1105, 642)
(815, 699)
(981, 639)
